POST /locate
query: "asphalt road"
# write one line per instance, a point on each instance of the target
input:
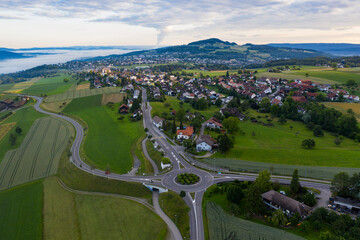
(180, 164)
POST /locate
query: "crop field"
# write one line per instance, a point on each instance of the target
(21, 212)
(19, 87)
(23, 118)
(343, 107)
(112, 97)
(159, 107)
(72, 94)
(38, 155)
(295, 75)
(83, 86)
(5, 128)
(108, 140)
(281, 144)
(224, 226)
(5, 87)
(55, 106)
(50, 85)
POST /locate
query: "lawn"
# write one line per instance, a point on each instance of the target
(23, 118)
(21, 212)
(108, 140)
(51, 85)
(154, 154)
(176, 209)
(159, 107)
(72, 94)
(38, 155)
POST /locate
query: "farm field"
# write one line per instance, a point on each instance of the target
(55, 107)
(21, 212)
(72, 94)
(38, 155)
(343, 107)
(108, 140)
(281, 144)
(208, 73)
(83, 85)
(159, 107)
(21, 86)
(50, 85)
(112, 97)
(5, 87)
(5, 128)
(294, 76)
(23, 118)
(224, 226)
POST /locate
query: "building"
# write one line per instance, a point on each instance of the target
(205, 143)
(275, 200)
(185, 134)
(158, 122)
(124, 109)
(213, 123)
(351, 205)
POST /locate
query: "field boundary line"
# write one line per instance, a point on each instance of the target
(7, 166)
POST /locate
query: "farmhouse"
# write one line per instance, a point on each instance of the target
(185, 134)
(276, 200)
(158, 122)
(205, 143)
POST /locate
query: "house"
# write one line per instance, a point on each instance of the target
(124, 109)
(205, 143)
(158, 122)
(137, 113)
(232, 112)
(213, 123)
(276, 101)
(354, 98)
(185, 133)
(301, 99)
(350, 204)
(275, 200)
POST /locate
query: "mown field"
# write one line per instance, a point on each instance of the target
(108, 140)
(159, 107)
(224, 226)
(23, 118)
(51, 85)
(5, 87)
(72, 94)
(21, 212)
(320, 75)
(76, 216)
(21, 86)
(38, 155)
(343, 107)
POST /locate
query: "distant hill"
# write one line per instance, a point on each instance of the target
(9, 55)
(338, 49)
(214, 49)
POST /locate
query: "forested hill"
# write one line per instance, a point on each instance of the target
(9, 55)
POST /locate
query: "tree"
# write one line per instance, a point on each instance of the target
(337, 141)
(66, 80)
(295, 186)
(235, 194)
(227, 74)
(318, 131)
(282, 119)
(218, 102)
(173, 127)
(306, 74)
(350, 82)
(232, 124)
(182, 194)
(265, 103)
(309, 199)
(278, 218)
(12, 139)
(340, 184)
(254, 200)
(308, 143)
(180, 114)
(262, 182)
(295, 219)
(18, 130)
(225, 143)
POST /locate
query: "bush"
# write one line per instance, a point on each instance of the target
(182, 194)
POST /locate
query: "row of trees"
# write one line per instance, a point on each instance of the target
(345, 186)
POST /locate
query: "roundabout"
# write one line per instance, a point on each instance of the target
(172, 180)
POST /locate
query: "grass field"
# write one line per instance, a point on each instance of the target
(82, 86)
(23, 118)
(19, 87)
(72, 94)
(279, 144)
(5, 128)
(51, 85)
(155, 155)
(112, 97)
(159, 107)
(21, 212)
(5, 87)
(55, 107)
(108, 140)
(176, 209)
(38, 156)
(320, 75)
(208, 73)
(343, 107)
(224, 226)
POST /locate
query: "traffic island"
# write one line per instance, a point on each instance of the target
(187, 178)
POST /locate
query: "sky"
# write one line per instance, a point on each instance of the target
(57, 23)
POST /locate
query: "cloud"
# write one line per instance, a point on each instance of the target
(195, 18)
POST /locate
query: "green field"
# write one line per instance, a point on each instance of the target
(51, 85)
(280, 145)
(154, 154)
(159, 107)
(108, 140)
(38, 155)
(21, 212)
(319, 75)
(208, 73)
(20, 86)
(5, 87)
(72, 94)
(24, 118)
(224, 226)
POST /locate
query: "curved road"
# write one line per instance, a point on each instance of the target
(180, 164)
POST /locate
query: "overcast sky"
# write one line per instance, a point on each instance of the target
(49, 23)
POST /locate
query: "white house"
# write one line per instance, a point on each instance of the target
(213, 123)
(185, 134)
(205, 143)
(158, 122)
